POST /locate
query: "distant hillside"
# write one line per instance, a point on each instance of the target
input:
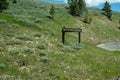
(31, 46)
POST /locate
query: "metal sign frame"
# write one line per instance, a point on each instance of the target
(64, 30)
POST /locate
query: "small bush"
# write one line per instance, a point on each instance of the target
(27, 51)
(76, 47)
(44, 59)
(13, 42)
(50, 32)
(3, 21)
(22, 62)
(2, 65)
(37, 35)
(14, 1)
(15, 25)
(38, 20)
(60, 45)
(26, 22)
(42, 53)
(38, 26)
(1, 49)
(14, 51)
(41, 46)
(67, 49)
(24, 38)
(88, 19)
(3, 5)
(10, 35)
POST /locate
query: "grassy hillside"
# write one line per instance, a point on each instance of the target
(31, 47)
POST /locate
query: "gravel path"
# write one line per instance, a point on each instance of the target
(112, 46)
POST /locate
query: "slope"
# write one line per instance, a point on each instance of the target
(31, 47)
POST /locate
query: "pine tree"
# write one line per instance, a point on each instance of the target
(3, 5)
(52, 11)
(107, 10)
(14, 1)
(69, 1)
(77, 7)
(72, 8)
(82, 7)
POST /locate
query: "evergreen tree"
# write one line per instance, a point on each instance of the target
(3, 5)
(74, 8)
(14, 1)
(82, 7)
(77, 7)
(107, 10)
(69, 1)
(52, 11)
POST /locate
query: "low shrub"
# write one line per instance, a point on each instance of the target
(27, 51)
(1, 49)
(14, 51)
(13, 42)
(50, 32)
(42, 53)
(28, 22)
(45, 59)
(10, 35)
(38, 26)
(41, 46)
(15, 25)
(76, 47)
(67, 49)
(24, 37)
(22, 62)
(37, 35)
(59, 44)
(2, 65)
(2, 21)
(88, 19)
(38, 20)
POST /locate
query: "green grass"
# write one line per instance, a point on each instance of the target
(33, 51)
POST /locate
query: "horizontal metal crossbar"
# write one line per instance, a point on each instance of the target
(71, 30)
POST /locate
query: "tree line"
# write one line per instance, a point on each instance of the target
(76, 8)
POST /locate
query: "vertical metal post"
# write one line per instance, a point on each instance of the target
(79, 37)
(63, 35)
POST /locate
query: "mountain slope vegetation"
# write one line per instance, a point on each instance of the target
(31, 47)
